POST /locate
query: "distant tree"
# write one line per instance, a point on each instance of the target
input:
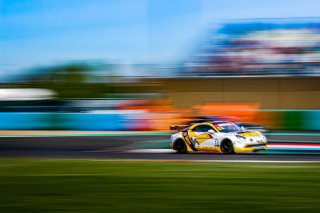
(72, 81)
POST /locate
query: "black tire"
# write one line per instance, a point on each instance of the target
(227, 147)
(180, 147)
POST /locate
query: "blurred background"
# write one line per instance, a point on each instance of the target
(121, 65)
(89, 89)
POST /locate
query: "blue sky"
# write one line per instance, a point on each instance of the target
(37, 32)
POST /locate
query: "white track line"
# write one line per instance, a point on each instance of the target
(163, 151)
(150, 151)
(270, 147)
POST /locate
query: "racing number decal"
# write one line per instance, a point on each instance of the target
(216, 142)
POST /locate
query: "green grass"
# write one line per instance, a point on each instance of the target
(37, 185)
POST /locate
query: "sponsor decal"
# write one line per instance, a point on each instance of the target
(187, 139)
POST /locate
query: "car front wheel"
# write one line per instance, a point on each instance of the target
(227, 147)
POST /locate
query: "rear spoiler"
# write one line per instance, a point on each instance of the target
(178, 127)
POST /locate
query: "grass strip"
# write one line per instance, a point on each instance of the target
(36, 185)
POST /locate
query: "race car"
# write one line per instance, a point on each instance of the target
(218, 136)
(246, 125)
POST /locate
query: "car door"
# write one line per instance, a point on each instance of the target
(201, 137)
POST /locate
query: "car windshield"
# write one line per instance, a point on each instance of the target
(227, 127)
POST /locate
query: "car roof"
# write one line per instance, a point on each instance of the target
(220, 122)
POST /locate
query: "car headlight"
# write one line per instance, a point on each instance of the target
(241, 137)
(264, 138)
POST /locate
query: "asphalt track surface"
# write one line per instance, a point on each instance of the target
(116, 147)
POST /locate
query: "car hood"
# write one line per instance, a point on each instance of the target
(250, 134)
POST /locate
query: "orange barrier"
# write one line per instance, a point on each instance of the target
(245, 112)
(161, 113)
(270, 120)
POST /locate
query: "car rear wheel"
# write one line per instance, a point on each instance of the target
(227, 147)
(180, 147)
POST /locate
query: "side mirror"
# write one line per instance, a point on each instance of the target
(211, 131)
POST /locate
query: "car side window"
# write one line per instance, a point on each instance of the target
(202, 128)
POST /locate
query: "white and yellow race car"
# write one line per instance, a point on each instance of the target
(218, 136)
